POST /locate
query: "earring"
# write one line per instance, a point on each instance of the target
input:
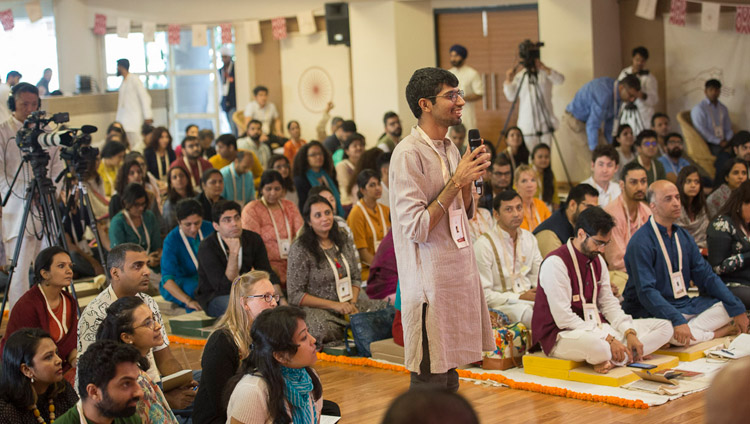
(32, 380)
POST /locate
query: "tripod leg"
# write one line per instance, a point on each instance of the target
(512, 107)
(541, 105)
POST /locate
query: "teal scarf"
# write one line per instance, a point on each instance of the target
(312, 178)
(298, 387)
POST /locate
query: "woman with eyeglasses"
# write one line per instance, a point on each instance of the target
(131, 321)
(135, 224)
(728, 180)
(313, 167)
(251, 294)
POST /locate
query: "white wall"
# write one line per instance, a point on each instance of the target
(605, 25)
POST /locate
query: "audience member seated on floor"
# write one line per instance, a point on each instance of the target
(534, 210)
(206, 140)
(75, 221)
(252, 142)
(230, 343)
(661, 260)
(178, 188)
(729, 244)
(179, 260)
(192, 162)
(547, 191)
(264, 111)
(576, 316)
(391, 132)
(558, 228)
(295, 140)
(726, 399)
(225, 255)
(130, 321)
(312, 167)
(369, 220)
(275, 219)
(32, 387)
(508, 260)
(368, 160)
(113, 154)
(382, 165)
(159, 154)
(192, 130)
(629, 213)
(604, 166)
(154, 187)
(334, 142)
(129, 276)
(130, 172)
(322, 274)
(383, 278)
(673, 160)
(212, 185)
(711, 118)
(283, 166)
(226, 151)
(430, 406)
(107, 383)
(239, 184)
(660, 124)
(647, 147)
(694, 215)
(95, 186)
(277, 383)
(625, 145)
(501, 177)
(134, 224)
(47, 306)
(727, 180)
(353, 148)
(741, 145)
(341, 222)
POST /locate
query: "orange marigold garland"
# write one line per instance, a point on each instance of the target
(183, 340)
(530, 387)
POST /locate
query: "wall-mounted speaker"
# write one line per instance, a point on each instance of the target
(337, 23)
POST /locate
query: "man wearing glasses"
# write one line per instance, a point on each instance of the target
(129, 276)
(576, 316)
(444, 314)
(647, 148)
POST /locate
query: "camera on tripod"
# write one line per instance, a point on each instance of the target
(529, 54)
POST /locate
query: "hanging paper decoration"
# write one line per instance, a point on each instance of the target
(34, 10)
(306, 22)
(6, 17)
(710, 17)
(252, 32)
(742, 20)
(646, 9)
(149, 29)
(200, 38)
(226, 33)
(279, 28)
(678, 12)
(123, 27)
(100, 24)
(173, 33)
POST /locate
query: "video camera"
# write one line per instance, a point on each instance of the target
(529, 53)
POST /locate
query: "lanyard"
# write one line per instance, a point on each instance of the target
(190, 170)
(135, 230)
(273, 221)
(528, 217)
(334, 268)
(62, 325)
(361, 205)
(671, 165)
(653, 166)
(160, 166)
(239, 256)
(580, 280)
(514, 248)
(512, 158)
(721, 115)
(234, 185)
(446, 169)
(79, 407)
(190, 248)
(627, 217)
(664, 248)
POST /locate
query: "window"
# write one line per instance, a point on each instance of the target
(38, 37)
(147, 60)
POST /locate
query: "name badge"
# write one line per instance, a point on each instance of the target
(719, 132)
(284, 246)
(457, 228)
(576, 298)
(678, 285)
(344, 289)
(591, 314)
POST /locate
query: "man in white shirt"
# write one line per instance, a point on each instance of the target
(531, 118)
(469, 81)
(576, 316)
(604, 163)
(13, 78)
(133, 103)
(264, 112)
(649, 95)
(508, 260)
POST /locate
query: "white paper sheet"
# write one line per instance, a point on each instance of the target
(123, 27)
(252, 32)
(306, 22)
(710, 17)
(149, 29)
(646, 9)
(34, 10)
(200, 38)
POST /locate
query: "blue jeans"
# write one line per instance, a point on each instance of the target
(217, 306)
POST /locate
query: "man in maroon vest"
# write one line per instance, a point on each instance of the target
(576, 316)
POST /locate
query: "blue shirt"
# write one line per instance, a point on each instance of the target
(594, 104)
(234, 184)
(176, 263)
(705, 116)
(649, 289)
(670, 166)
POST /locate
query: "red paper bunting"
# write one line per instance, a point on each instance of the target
(100, 24)
(279, 28)
(173, 33)
(226, 33)
(6, 17)
(677, 12)
(742, 20)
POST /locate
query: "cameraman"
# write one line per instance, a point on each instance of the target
(533, 114)
(24, 100)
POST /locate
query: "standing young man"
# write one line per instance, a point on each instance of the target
(133, 103)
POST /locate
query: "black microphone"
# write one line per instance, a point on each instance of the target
(474, 142)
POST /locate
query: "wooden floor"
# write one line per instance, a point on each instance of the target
(365, 393)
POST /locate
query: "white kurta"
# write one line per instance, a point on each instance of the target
(650, 86)
(471, 82)
(432, 269)
(530, 117)
(4, 94)
(133, 106)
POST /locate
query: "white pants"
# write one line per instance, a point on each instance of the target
(518, 312)
(20, 283)
(581, 345)
(704, 324)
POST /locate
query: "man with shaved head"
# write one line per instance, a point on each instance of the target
(726, 399)
(661, 260)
